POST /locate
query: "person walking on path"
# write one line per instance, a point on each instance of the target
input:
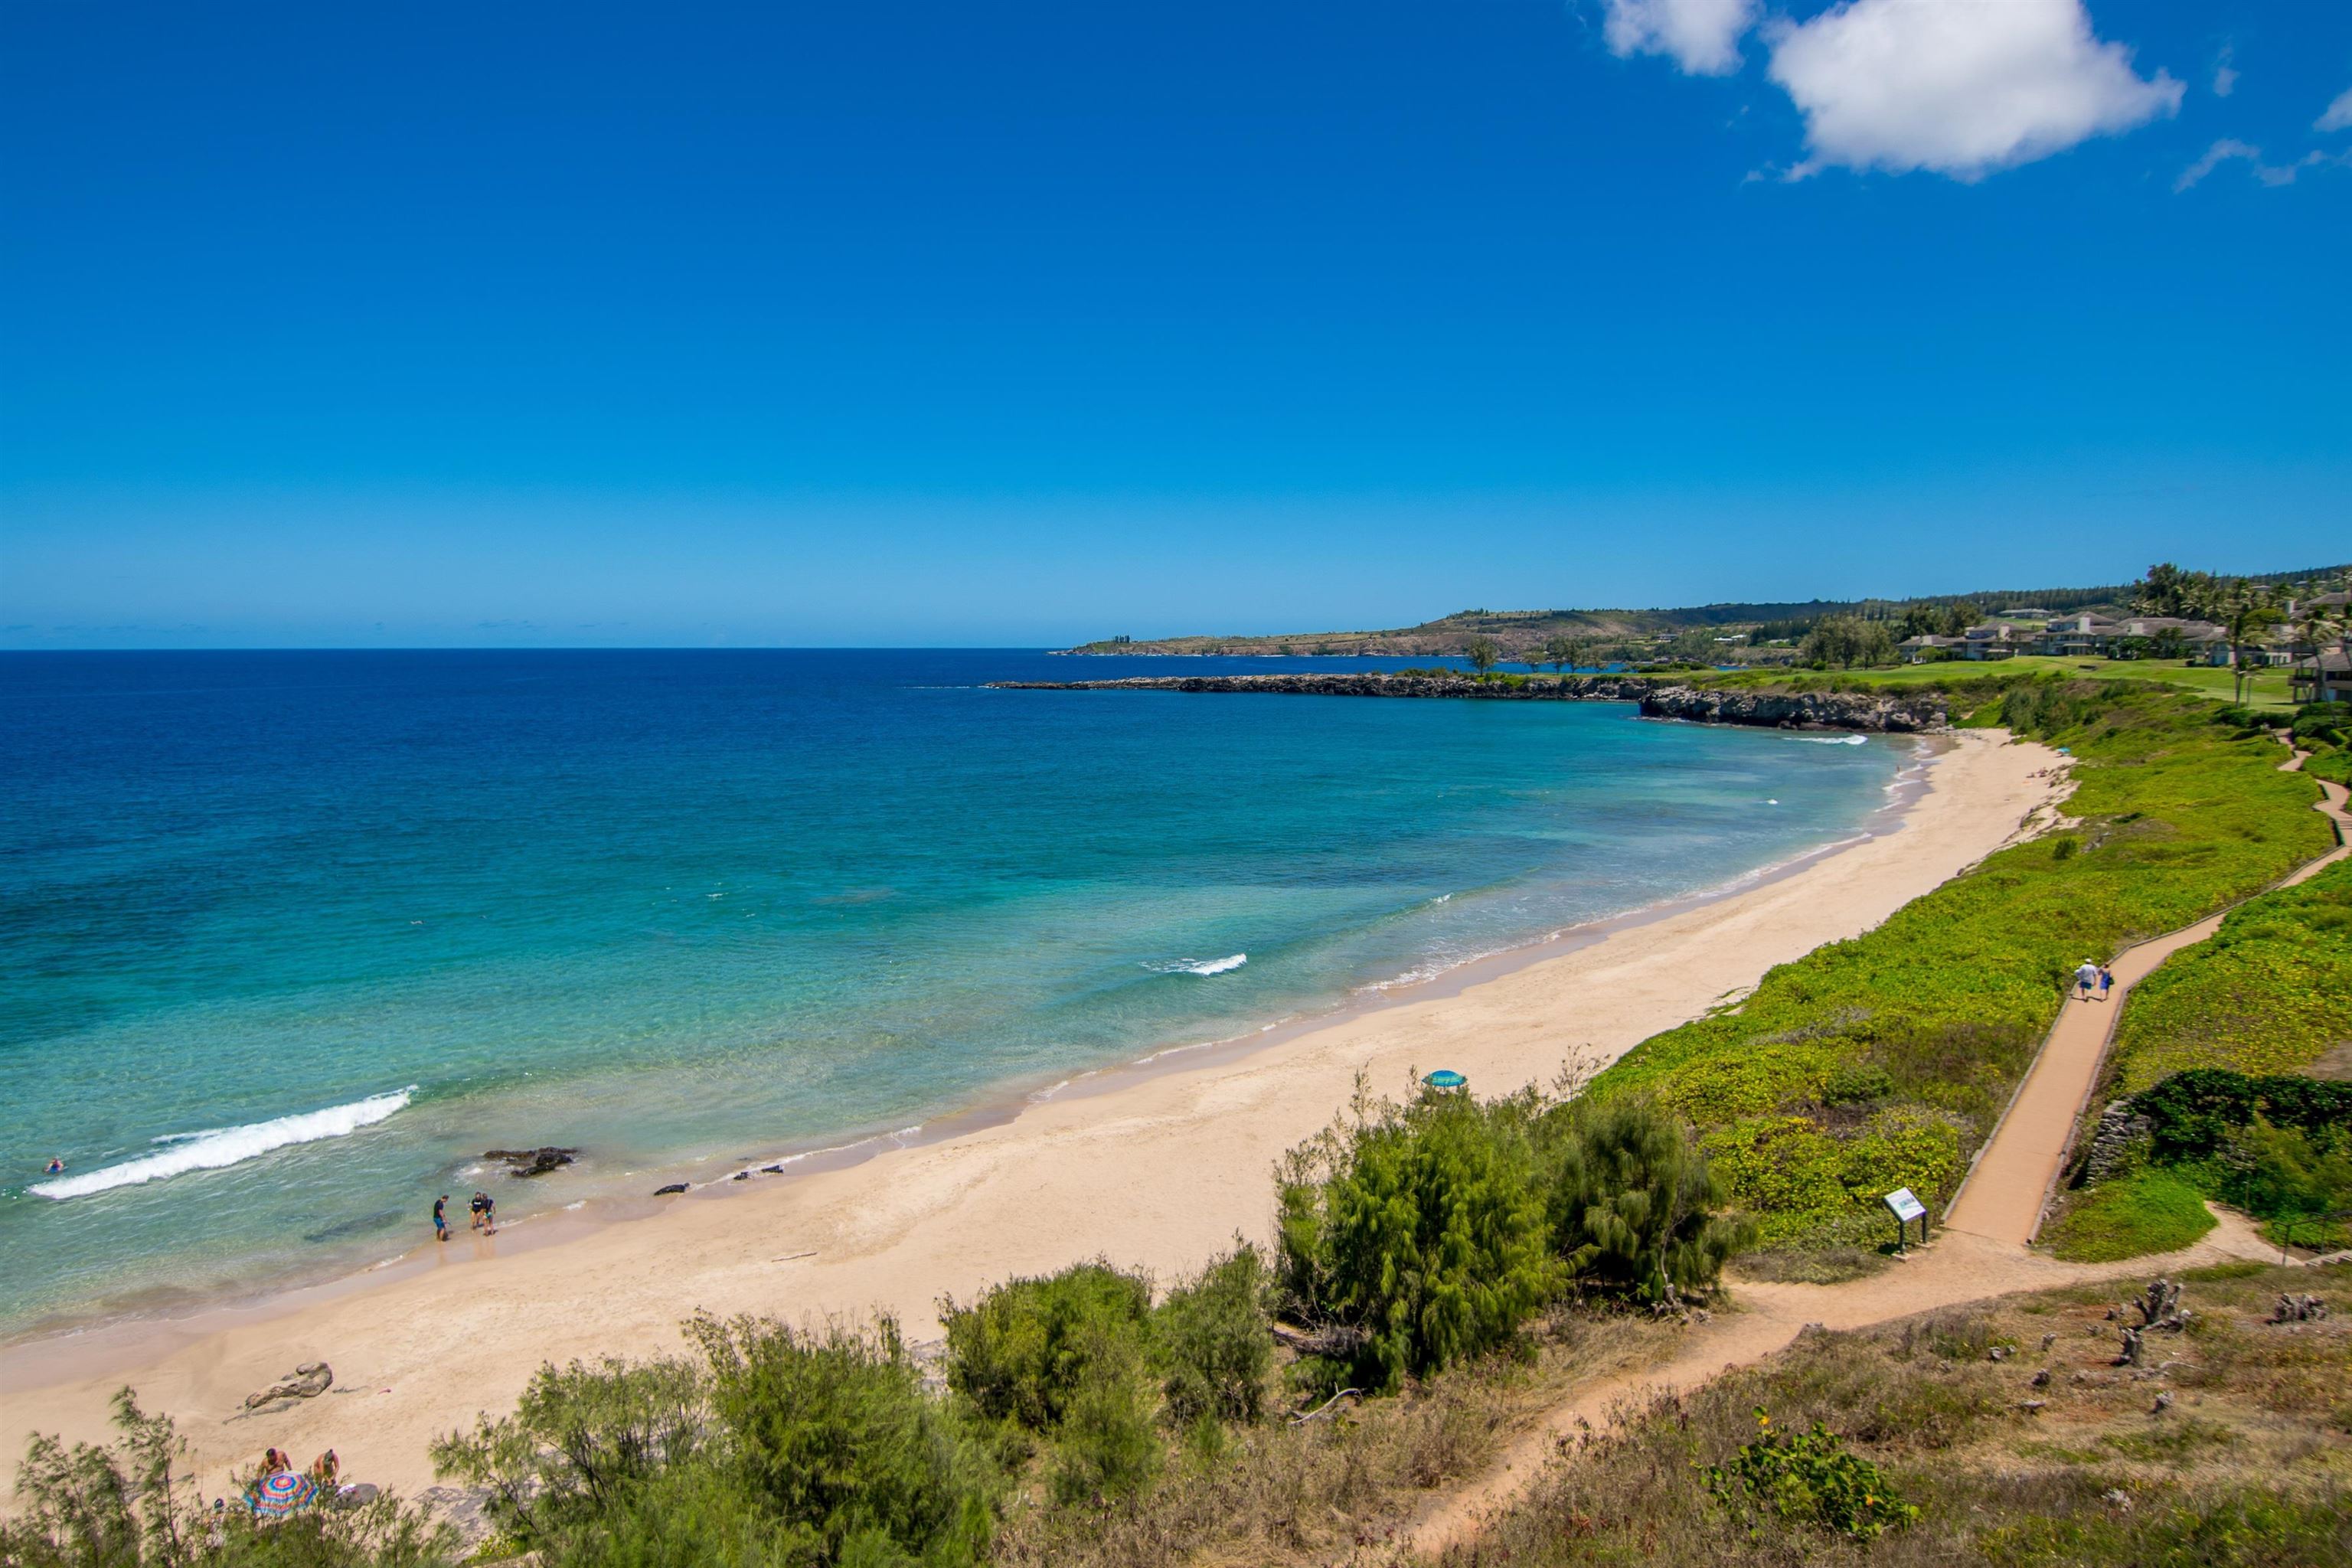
(2106, 981)
(2086, 977)
(441, 1218)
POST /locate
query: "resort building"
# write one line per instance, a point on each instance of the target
(2323, 677)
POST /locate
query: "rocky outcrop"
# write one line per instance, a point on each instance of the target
(1877, 712)
(2120, 1145)
(532, 1162)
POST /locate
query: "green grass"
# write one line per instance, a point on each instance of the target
(2149, 1211)
(1950, 996)
(2267, 689)
(2271, 992)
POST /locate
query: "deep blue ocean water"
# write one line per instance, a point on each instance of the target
(291, 938)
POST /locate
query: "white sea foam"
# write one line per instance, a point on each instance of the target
(1832, 740)
(1217, 965)
(224, 1146)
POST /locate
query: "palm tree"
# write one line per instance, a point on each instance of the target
(2247, 614)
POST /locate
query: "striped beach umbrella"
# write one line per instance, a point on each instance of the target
(284, 1493)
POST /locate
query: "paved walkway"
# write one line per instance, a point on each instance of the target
(1981, 1251)
(2004, 1198)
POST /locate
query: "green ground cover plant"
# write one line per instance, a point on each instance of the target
(2269, 992)
(2176, 817)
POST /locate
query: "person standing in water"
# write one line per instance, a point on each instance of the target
(441, 1218)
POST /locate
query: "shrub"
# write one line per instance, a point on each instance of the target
(777, 1446)
(1211, 1340)
(1810, 1479)
(832, 1432)
(580, 1439)
(1632, 1201)
(2194, 1113)
(1020, 1352)
(1105, 1444)
(2286, 1173)
(1422, 1227)
(1858, 1083)
(130, 1505)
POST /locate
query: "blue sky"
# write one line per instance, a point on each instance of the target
(925, 323)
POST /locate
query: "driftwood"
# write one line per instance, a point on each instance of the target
(1325, 1408)
(2299, 1309)
(2132, 1352)
(311, 1379)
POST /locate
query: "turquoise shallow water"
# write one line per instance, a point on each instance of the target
(291, 938)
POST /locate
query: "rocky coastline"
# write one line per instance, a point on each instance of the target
(1868, 712)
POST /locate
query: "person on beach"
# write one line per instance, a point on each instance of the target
(2106, 981)
(441, 1218)
(2086, 977)
(481, 1209)
(489, 1215)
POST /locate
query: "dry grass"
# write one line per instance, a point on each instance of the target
(2250, 1463)
(1336, 1489)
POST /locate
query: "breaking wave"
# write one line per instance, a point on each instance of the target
(183, 1152)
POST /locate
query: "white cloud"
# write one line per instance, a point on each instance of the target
(2225, 80)
(2338, 114)
(2229, 148)
(1962, 87)
(1702, 36)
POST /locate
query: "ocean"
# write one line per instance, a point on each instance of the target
(292, 939)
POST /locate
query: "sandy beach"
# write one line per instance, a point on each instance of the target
(1158, 1168)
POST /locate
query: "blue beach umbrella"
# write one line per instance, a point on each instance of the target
(284, 1493)
(1445, 1078)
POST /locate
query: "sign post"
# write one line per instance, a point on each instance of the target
(1905, 1208)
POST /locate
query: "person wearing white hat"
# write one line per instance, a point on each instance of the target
(2085, 978)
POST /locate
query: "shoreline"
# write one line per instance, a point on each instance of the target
(998, 1105)
(1159, 1162)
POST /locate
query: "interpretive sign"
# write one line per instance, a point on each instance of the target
(1907, 1208)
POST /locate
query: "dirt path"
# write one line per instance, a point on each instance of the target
(1981, 1252)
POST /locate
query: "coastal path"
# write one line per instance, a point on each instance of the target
(1981, 1252)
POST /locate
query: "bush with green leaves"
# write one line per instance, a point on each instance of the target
(1422, 1227)
(1811, 1479)
(1211, 1340)
(130, 1504)
(1020, 1352)
(776, 1447)
(1632, 1203)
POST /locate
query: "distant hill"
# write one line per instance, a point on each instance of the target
(1693, 628)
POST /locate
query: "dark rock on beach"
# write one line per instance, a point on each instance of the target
(1877, 712)
(532, 1162)
(673, 1188)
